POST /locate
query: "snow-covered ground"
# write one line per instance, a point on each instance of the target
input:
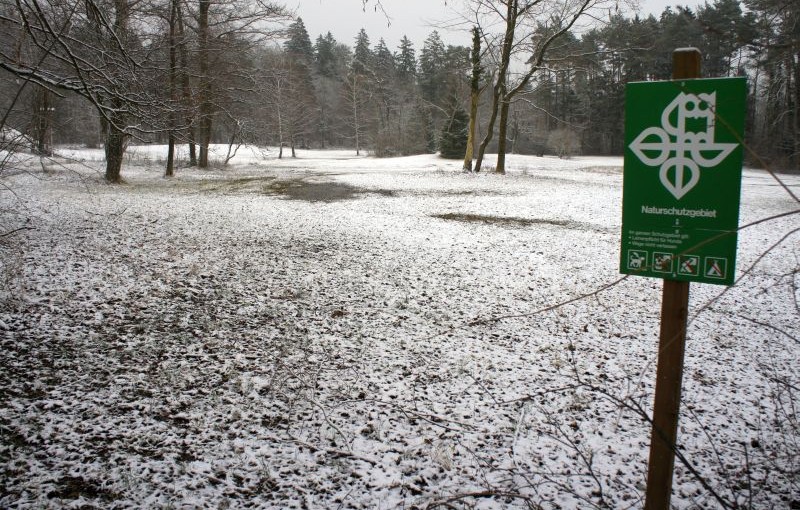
(336, 331)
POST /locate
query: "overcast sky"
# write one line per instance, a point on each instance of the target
(414, 18)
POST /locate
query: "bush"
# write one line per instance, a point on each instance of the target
(453, 143)
(564, 142)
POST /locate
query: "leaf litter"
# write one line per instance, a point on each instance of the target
(206, 342)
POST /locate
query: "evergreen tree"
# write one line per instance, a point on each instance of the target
(325, 55)
(362, 55)
(298, 67)
(383, 62)
(406, 125)
(453, 141)
(385, 99)
(431, 69)
(406, 60)
(724, 35)
(331, 61)
(357, 89)
(676, 30)
(298, 45)
(776, 50)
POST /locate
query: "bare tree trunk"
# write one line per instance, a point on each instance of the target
(356, 126)
(279, 106)
(170, 169)
(115, 136)
(502, 138)
(502, 96)
(236, 139)
(500, 86)
(186, 88)
(114, 149)
(796, 113)
(473, 116)
(43, 116)
(205, 138)
(474, 96)
(515, 132)
(205, 83)
(499, 90)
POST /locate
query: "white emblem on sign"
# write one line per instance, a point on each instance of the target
(679, 148)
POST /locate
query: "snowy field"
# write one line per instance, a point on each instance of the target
(344, 332)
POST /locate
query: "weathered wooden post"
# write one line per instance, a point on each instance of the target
(671, 348)
(669, 375)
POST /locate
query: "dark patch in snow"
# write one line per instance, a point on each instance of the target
(456, 193)
(515, 222)
(73, 487)
(243, 184)
(327, 191)
(605, 170)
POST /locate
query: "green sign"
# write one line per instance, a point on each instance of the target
(682, 179)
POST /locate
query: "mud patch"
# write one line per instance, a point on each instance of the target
(70, 487)
(326, 191)
(499, 220)
(505, 221)
(242, 185)
(456, 193)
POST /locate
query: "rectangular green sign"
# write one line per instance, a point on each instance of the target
(682, 179)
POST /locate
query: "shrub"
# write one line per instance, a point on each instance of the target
(453, 143)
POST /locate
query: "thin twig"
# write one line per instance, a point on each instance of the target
(6, 234)
(332, 451)
(766, 325)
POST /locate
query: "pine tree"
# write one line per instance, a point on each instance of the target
(325, 55)
(330, 66)
(362, 55)
(385, 99)
(725, 32)
(431, 69)
(298, 45)
(383, 62)
(777, 101)
(406, 60)
(299, 65)
(453, 141)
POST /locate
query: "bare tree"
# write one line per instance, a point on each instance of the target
(108, 51)
(356, 97)
(289, 101)
(475, 92)
(217, 24)
(529, 28)
(89, 48)
(174, 14)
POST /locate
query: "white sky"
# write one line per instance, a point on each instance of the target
(344, 18)
(413, 18)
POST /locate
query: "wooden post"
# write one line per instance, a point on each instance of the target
(669, 374)
(671, 347)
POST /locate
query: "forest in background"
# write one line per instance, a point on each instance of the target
(106, 72)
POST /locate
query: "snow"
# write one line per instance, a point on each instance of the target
(327, 332)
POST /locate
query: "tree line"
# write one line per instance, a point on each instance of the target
(536, 78)
(583, 87)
